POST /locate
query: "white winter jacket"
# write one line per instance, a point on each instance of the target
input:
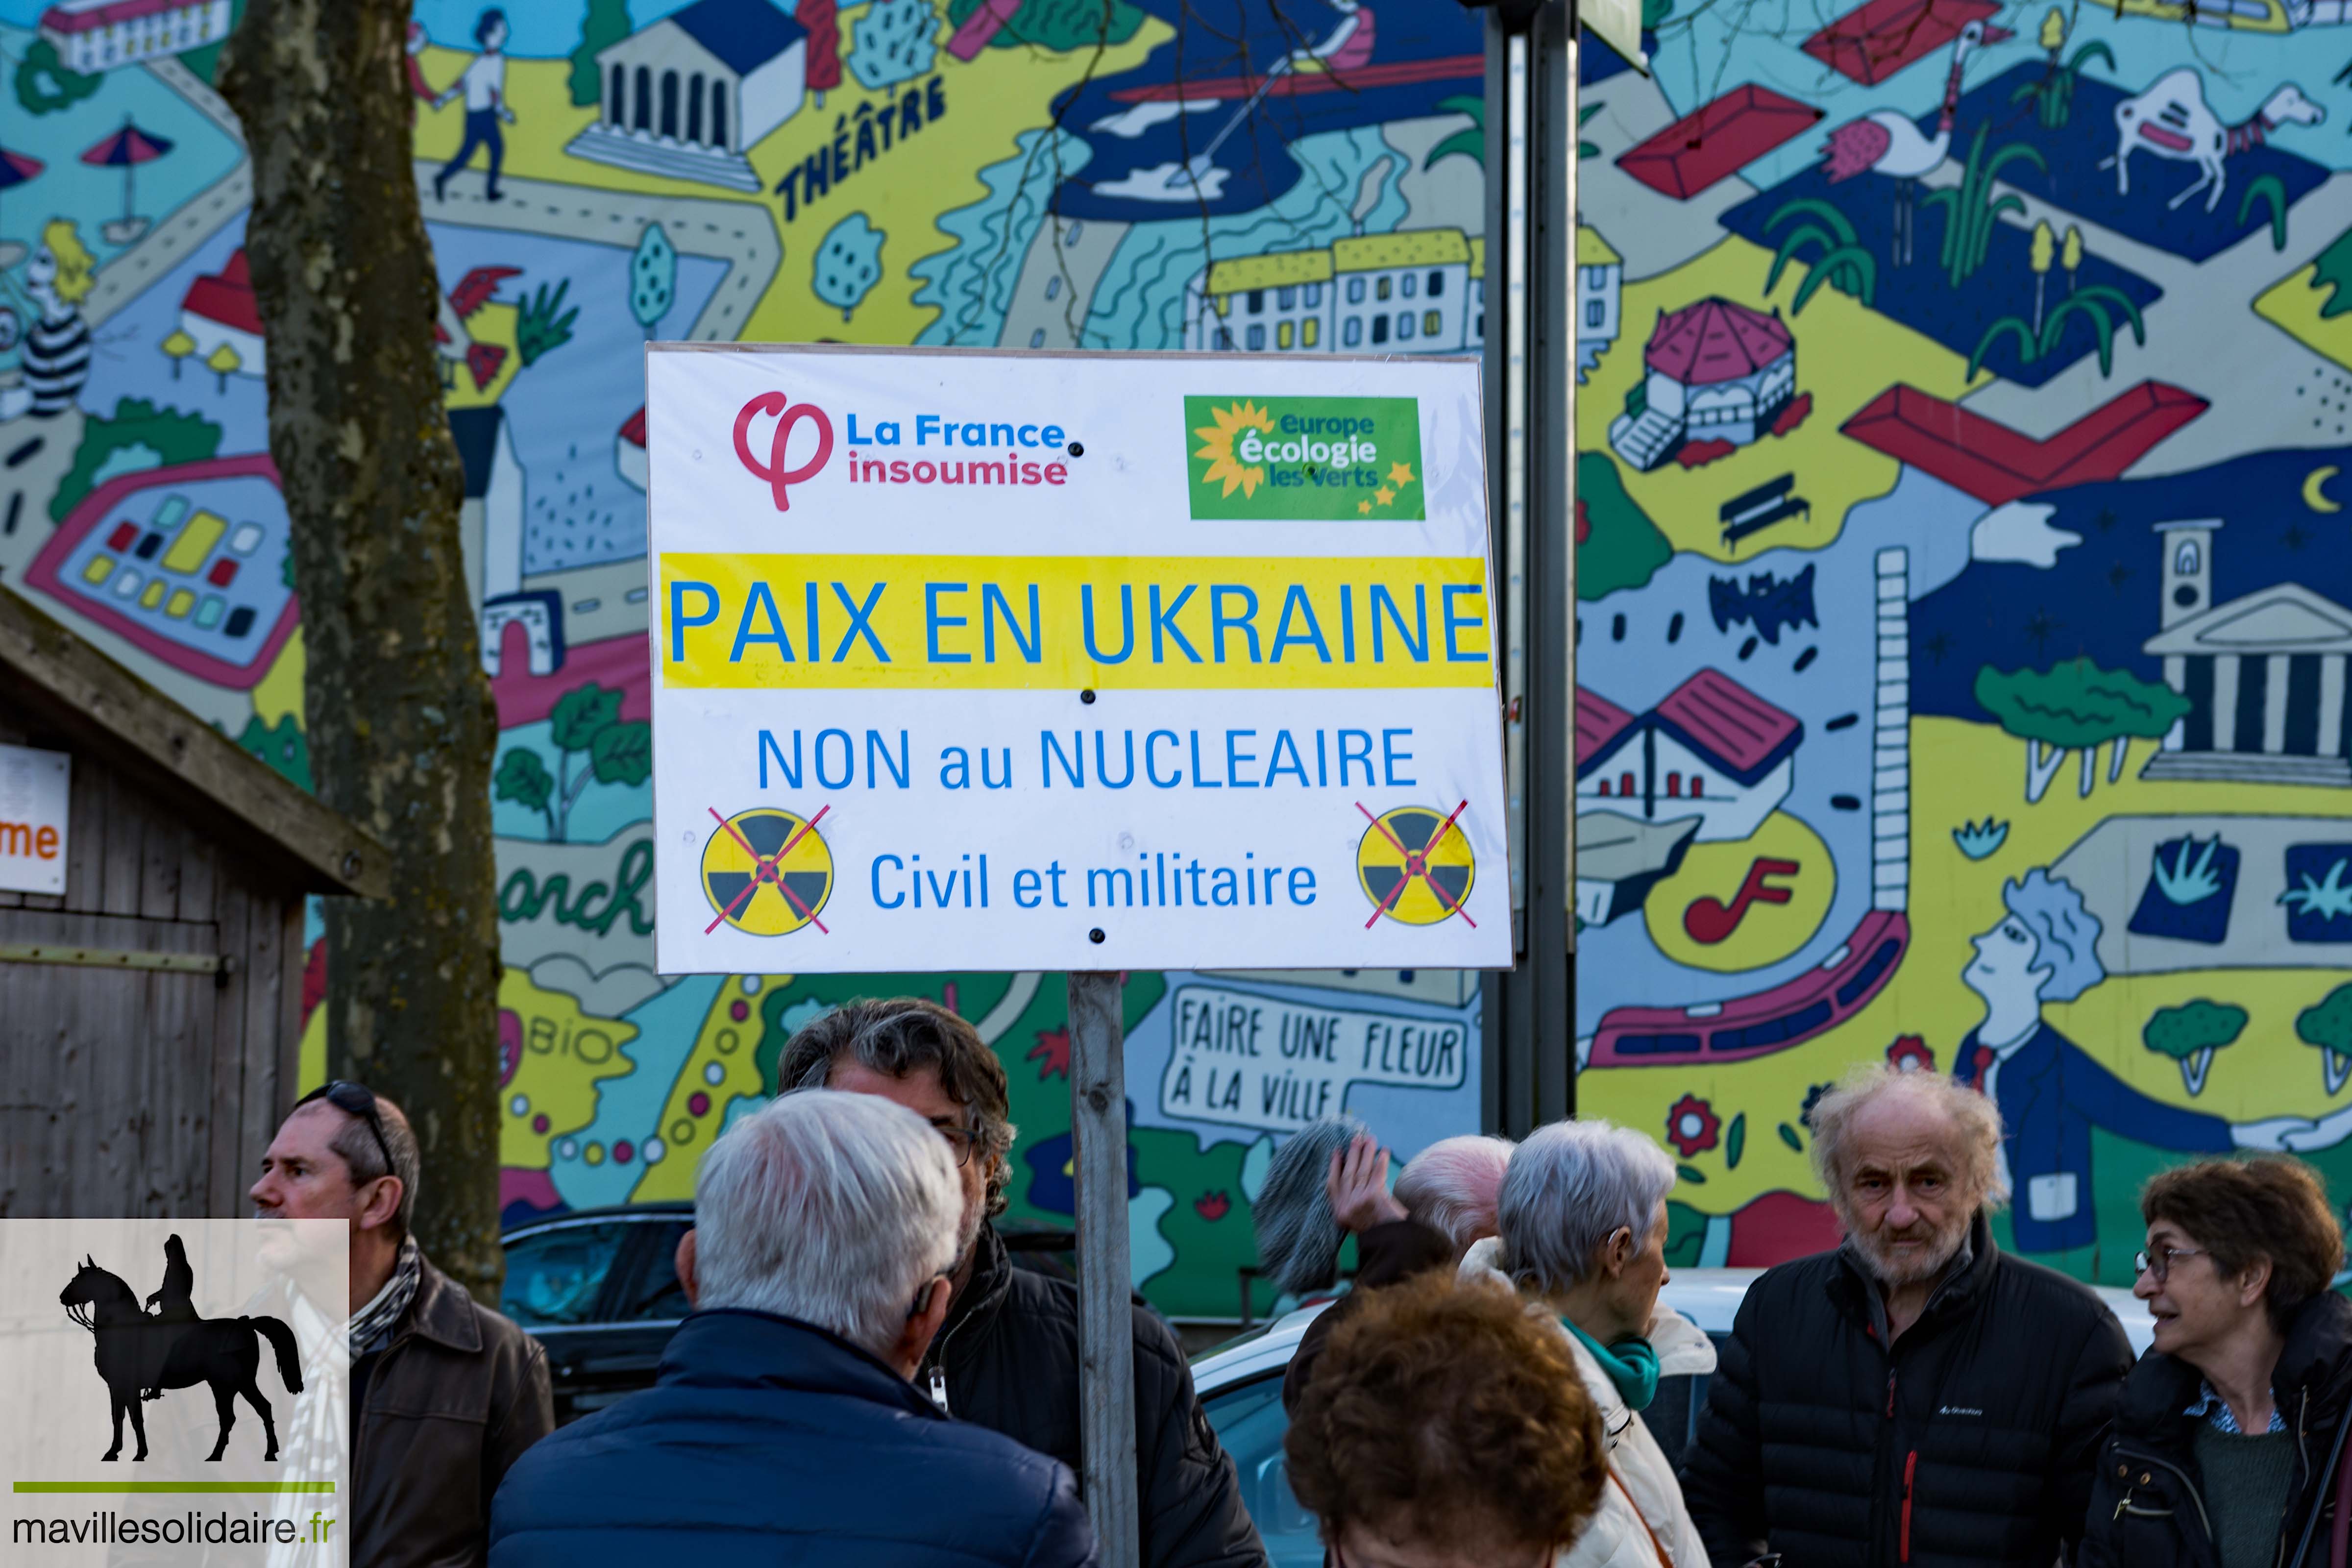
(1640, 1475)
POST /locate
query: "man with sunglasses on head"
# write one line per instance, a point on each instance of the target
(1007, 1354)
(445, 1393)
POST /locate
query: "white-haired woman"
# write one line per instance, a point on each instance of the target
(1583, 1222)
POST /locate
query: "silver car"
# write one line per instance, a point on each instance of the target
(1240, 1388)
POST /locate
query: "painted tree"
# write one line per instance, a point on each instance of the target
(604, 23)
(2190, 1034)
(893, 41)
(652, 278)
(177, 347)
(818, 19)
(2070, 255)
(586, 723)
(401, 724)
(2075, 706)
(2329, 1028)
(848, 262)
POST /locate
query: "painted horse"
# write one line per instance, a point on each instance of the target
(137, 1351)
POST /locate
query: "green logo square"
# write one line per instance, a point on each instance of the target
(1313, 459)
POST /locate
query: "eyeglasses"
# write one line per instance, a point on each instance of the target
(355, 1100)
(2161, 1263)
(963, 1140)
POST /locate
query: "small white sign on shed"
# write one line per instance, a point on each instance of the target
(33, 789)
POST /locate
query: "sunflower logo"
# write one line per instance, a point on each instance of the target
(1218, 447)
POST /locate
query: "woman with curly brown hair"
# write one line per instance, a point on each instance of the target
(1446, 1428)
(2229, 1448)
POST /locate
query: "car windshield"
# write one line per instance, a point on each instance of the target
(553, 1279)
(1250, 1423)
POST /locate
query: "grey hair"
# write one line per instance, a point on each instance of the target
(1297, 1235)
(1454, 1186)
(831, 1208)
(356, 1144)
(1975, 1123)
(1570, 1187)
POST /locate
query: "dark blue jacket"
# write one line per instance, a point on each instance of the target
(2051, 1094)
(767, 1441)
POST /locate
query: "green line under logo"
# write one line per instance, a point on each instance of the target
(156, 1489)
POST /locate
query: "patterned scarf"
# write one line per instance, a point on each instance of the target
(371, 1324)
(318, 1432)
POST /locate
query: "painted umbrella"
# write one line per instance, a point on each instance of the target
(16, 168)
(127, 148)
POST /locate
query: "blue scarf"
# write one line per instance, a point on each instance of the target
(1632, 1364)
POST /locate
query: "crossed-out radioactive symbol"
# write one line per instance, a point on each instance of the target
(767, 872)
(1415, 866)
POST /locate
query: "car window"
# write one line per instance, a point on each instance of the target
(1250, 1424)
(657, 1296)
(554, 1277)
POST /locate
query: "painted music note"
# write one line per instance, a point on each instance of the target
(1710, 921)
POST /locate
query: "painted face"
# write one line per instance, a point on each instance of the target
(41, 275)
(1905, 1197)
(494, 37)
(2196, 1309)
(920, 1092)
(2003, 968)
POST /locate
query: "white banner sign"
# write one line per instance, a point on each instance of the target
(971, 660)
(35, 788)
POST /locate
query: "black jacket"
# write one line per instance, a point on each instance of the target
(1009, 1352)
(770, 1441)
(1388, 1253)
(1971, 1442)
(2150, 1508)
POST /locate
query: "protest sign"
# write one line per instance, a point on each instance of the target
(1071, 661)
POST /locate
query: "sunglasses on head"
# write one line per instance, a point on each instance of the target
(354, 1100)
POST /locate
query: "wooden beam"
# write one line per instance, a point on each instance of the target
(57, 676)
(1106, 1313)
(109, 958)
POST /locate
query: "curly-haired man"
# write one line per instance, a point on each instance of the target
(1007, 1355)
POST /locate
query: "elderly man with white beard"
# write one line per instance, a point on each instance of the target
(1914, 1396)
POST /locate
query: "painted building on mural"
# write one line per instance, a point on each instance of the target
(91, 36)
(1414, 292)
(690, 94)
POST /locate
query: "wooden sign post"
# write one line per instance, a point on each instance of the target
(1106, 1321)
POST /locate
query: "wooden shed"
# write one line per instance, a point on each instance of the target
(150, 1012)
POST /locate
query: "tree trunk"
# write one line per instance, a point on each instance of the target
(402, 726)
(2038, 771)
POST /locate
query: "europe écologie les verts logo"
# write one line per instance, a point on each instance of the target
(1312, 460)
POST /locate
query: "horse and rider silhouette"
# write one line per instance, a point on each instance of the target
(142, 1353)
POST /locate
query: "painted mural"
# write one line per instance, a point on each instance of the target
(1963, 449)
(1277, 174)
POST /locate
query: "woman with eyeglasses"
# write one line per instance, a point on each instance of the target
(1446, 1427)
(2229, 1446)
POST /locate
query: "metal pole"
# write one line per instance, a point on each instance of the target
(1106, 1321)
(1531, 380)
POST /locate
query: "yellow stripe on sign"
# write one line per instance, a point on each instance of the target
(1055, 622)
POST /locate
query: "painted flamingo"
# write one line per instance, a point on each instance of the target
(1889, 141)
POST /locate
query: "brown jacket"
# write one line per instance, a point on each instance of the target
(452, 1402)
